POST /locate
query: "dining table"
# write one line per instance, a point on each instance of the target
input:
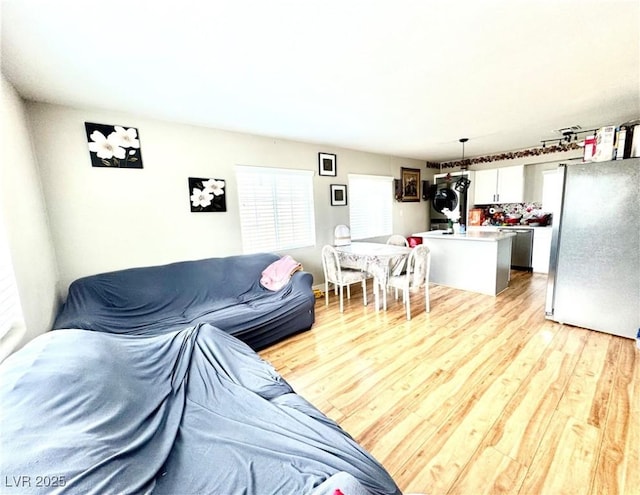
(377, 259)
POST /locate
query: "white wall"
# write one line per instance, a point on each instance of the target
(24, 215)
(105, 219)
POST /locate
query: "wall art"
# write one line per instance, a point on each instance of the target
(327, 164)
(426, 190)
(338, 194)
(410, 184)
(113, 146)
(397, 189)
(207, 194)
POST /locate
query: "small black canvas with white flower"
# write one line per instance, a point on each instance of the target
(207, 194)
(113, 146)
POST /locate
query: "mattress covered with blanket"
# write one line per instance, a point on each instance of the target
(181, 411)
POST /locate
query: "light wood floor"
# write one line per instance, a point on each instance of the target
(481, 395)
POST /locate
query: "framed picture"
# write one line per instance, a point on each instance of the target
(207, 194)
(410, 184)
(327, 164)
(338, 195)
(113, 146)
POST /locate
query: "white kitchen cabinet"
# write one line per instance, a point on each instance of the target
(484, 188)
(541, 249)
(499, 185)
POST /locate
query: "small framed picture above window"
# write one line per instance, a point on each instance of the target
(327, 164)
(338, 195)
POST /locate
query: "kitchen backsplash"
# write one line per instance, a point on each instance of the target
(510, 214)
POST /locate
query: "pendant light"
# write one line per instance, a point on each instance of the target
(462, 184)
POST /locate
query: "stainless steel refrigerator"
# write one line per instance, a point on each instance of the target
(594, 270)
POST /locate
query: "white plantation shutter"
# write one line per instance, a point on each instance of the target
(371, 205)
(276, 208)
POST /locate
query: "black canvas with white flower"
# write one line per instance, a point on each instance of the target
(207, 194)
(113, 146)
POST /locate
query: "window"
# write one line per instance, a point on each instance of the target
(551, 190)
(371, 204)
(276, 208)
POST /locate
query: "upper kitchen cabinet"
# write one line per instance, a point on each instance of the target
(499, 185)
(484, 189)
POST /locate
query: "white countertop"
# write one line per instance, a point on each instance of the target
(469, 236)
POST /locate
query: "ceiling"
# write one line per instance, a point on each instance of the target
(399, 77)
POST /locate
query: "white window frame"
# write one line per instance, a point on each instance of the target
(276, 208)
(370, 206)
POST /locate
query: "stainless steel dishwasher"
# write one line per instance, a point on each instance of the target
(521, 248)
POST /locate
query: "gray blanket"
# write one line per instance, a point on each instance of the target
(224, 292)
(192, 411)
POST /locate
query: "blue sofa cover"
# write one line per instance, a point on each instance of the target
(224, 292)
(137, 392)
(191, 411)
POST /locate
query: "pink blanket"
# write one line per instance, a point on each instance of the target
(278, 273)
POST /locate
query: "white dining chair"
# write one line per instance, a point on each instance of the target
(342, 235)
(398, 265)
(398, 240)
(340, 277)
(416, 275)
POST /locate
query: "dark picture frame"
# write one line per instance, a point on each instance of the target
(113, 146)
(410, 184)
(338, 194)
(207, 195)
(327, 164)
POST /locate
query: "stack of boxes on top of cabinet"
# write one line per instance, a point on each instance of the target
(613, 143)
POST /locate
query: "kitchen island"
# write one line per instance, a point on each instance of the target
(475, 261)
